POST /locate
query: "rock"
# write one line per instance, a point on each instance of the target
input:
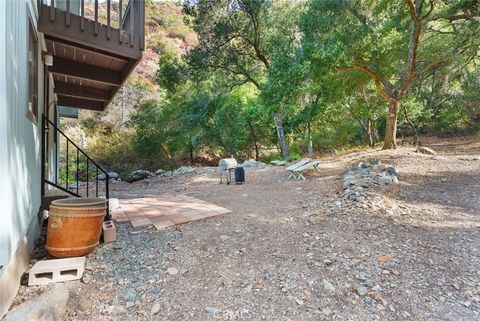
(251, 163)
(129, 295)
(293, 276)
(278, 163)
(212, 310)
(86, 278)
(328, 286)
(111, 175)
(362, 291)
(467, 303)
(327, 312)
(159, 172)
(167, 174)
(377, 288)
(49, 306)
(209, 169)
(129, 305)
(184, 170)
(137, 175)
(248, 288)
(426, 150)
(368, 283)
(374, 161)
(172, 271)
(155, 309)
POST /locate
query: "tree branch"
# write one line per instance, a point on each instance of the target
(416, 28)
(386, 90)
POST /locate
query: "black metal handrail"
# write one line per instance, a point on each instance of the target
(46, 126)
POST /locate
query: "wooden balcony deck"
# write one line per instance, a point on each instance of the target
(91, 60)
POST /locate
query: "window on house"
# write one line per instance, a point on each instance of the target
(32, 108)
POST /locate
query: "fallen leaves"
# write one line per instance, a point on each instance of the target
(384, 258)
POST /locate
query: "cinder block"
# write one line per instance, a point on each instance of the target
(109, 232)
(59, 270)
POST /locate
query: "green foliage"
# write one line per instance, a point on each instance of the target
(321, 67)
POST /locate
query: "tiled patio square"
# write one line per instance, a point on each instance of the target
(165, 210)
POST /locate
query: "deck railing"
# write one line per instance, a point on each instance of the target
(125, 17)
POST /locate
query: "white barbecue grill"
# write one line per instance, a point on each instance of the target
(227, 166)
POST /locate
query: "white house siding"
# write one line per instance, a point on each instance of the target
(20, 143)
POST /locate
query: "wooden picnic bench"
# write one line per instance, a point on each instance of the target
(298, 169)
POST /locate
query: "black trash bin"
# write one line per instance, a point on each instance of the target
(239, 175)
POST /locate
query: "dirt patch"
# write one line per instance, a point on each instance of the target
(290, 251)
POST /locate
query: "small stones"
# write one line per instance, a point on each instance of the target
(223, 237)
(86, 278)
(328, 286)
(155, 309)
(364, 176)
(377, 288)
(293, 276)
(327, 312)
(172, 271)
(212, 310)
(361, 291)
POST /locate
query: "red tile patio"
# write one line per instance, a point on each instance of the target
(164, 210)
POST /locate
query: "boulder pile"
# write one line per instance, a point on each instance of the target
(363, 176)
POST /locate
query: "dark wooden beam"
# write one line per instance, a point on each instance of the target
(72, 68)
(81, 103)
(74, 46)
(90, 93)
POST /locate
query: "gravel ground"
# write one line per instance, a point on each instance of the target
(292, 251)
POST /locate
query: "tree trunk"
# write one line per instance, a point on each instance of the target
(190, 150)
(257, 152)
(369, 132)
(310, 144)
(304, 141)
(278, 119)
(391, 131)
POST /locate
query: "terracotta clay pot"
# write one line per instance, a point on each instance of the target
(74, 226)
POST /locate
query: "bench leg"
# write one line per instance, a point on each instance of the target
(300, 176)
(291, 175)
